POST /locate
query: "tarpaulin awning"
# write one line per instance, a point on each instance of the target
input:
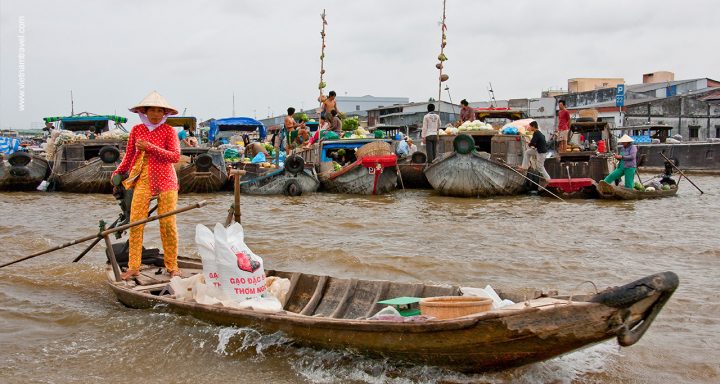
(117, 119)
(241, 124)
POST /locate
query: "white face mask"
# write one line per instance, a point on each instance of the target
(150, 126)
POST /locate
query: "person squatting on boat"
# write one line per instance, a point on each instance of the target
(628, 163)
(536, 152)
(153, 147)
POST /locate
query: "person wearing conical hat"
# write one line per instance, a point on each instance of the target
(153, 147)
(628, 163)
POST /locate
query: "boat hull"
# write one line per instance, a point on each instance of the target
(282, 182)
(192, 180)
(475, 343)
(612, 192)
(358, 180)
(92, 177)
(23, 178)
(412, 175)
(473, 175)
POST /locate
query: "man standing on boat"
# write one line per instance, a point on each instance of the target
(628, 163)
(466, 113)
(430, 126)
(328, 104)
(563, 128)
(536, 152)
(153, 147)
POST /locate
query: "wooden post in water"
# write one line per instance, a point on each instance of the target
(234, 213)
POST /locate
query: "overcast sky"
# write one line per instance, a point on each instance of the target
(197, 53)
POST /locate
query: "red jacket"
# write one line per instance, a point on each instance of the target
(162, 152)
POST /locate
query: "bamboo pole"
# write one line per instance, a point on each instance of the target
(442, 53)
(110, 231)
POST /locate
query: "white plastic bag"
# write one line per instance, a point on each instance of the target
(241, 272)
(205, 241)
(278, 286)
(184, 289)
(487, 292)
(43, 186)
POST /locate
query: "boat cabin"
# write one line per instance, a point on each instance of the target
(185, 123)
(645, 134)
(583, 159)
(233, 129)
(509, 148)
(73, 155)
(93, 124)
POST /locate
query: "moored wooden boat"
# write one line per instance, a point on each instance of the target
(609, 191)
(85, 163)
(333, 313)
(473, 174)
(294, 179)
(202, 170)
(22, 172)
(86, 166)
(363, 166)
(368, 176)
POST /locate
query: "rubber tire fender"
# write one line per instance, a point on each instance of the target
(19, 159)
(292, 188)
(109, 154)
(463, 144)
(418, 158)
(294, 164)
(19, 171)
(203, 162)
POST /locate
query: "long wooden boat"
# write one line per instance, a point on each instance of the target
(474, 174)
(651, 140)
(86, 166)
(22, 172)
(609, 191)
(333, 313)
(202, 170)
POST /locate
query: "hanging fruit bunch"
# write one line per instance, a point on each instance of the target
(322, 84)
(441, 57)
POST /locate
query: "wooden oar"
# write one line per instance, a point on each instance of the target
(528, 179)
(672, 163)
(109, 232)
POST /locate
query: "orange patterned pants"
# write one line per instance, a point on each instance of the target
(167, 201)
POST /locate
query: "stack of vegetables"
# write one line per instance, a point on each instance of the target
(115, 134)
(476, 125)
(352, 129)
(232, 155)
(68, 137)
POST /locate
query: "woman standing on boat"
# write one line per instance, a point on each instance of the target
(628, 163)
(153, 147)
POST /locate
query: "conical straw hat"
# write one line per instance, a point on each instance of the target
(154, 99)
(625, 139)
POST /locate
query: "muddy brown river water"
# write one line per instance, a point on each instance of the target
(60, 323)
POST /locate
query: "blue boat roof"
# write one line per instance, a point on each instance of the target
(247, 124)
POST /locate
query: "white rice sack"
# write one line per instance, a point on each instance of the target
(205, 241)
(241, 272)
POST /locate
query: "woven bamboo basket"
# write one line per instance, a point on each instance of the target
(376, 148)
(450, 307)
